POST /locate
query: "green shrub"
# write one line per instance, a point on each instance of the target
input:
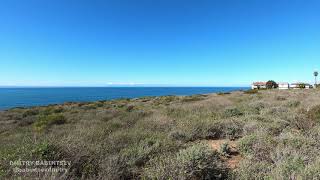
(258, 105)
(2, 172)
(45, 151)
(223, 93)
(312, 171)
(99, 104)
(130, 108)
(290, 167)
(178, 135)
(45, 121)
(199, 129)
(195, 162)
(89, 107)
(246, 144)
(232, 112)
(314, 113)
(251, 169)
(301, 122)
(302, 85)
(30, 112)
(191, 130)
(258, 146)
(84, 167)
(232, 132)
(251, 91)
(140, 153)
(165, 100)
(293, 103)
(115, 167)
(51, 110)
(225, 149)
(281, 98)
(193, 98)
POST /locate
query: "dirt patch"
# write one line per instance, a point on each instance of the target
(234, 157)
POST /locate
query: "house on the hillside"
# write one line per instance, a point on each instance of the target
(296, 85)
(259, 85)
(301, 85)
(308, 86)
(283, 85)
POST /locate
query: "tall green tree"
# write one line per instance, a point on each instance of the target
(271, 84)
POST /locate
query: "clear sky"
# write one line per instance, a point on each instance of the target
(158, 42)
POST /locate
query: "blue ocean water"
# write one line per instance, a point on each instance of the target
(25, 97)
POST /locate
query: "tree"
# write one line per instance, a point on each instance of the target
(271, 84)
(302, 85)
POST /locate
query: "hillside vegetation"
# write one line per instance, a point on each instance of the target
(269, 134)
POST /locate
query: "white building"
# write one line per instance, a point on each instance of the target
(259, 85)
(301, 85)
(283, 85)
(308, 86)
(295, 85)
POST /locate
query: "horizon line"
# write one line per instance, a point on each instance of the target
(66, 86)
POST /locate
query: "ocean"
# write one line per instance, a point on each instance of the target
(26, 97)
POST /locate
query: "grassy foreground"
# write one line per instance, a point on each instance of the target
(243, 135)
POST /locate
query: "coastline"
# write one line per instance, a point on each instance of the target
(45, 96)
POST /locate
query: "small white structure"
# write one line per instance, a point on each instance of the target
(308, 86)
(301, 85)
(283, 85)
(259, 85)
(295, 85)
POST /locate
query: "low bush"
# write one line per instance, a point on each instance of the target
(165, 100)
(258, 105)
(312, 171)
(178, 135)
(293, 103)
(139, 154)
(89, 107)
(314, 113)
(250, 169)
(45, 151)
(281, 98)
(193, 98)
(251, 91)
(223, 93)
(195, 162)
(246, 144)
(291, 168)
(258, 146)
(115, 167)
(302, 122)
(232, 112)
(45, 121)
(225, 149)
(98, 104)
(51, 110)
(30, 112)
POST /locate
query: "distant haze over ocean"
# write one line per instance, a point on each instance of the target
(26, 97)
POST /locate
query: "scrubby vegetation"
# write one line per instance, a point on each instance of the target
(269, 134)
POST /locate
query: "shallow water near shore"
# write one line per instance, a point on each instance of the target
(25, 97)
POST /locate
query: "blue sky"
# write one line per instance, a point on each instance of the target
(157, 42)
